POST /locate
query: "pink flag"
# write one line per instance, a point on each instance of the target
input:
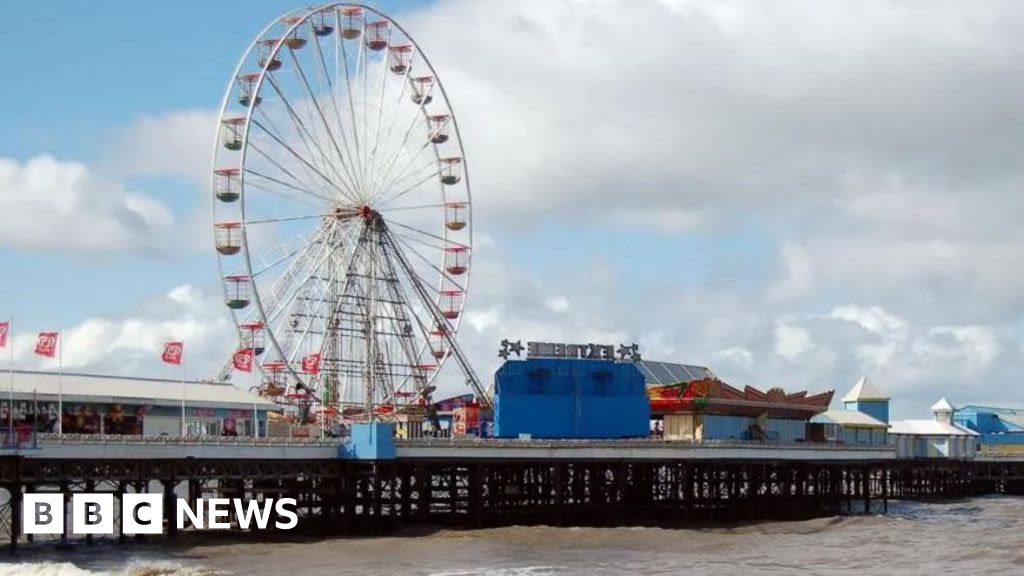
(46, 345)
(172, 352)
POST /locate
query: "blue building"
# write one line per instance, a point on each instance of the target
(864, 418)
(570, 398)
(1000, 430)
(867, 398)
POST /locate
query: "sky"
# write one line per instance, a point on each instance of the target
(793, 194)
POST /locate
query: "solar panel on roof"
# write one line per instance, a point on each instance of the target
(671, 372)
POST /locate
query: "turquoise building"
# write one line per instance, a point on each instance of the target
(867, 398)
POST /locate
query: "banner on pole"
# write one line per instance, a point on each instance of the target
(311, 363)
(173, 352)
(5, 327)
(46, 344)
(242, 360)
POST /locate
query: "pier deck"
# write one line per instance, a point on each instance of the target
(498, 482)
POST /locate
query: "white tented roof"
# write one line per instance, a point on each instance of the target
(942, 405)
(863, 390)
(851, 418)
(928, 428)
(119, 389)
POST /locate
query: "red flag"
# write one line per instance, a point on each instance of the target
(5, 327)
(172, 352)
(311, 363)
(242, 360)
(46, 345)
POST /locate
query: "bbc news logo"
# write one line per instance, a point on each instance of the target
(144, 513)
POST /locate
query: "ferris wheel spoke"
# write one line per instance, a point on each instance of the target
(445, 242)
(302, 130)
(306, 137)
(402, 147)
(297, 156)
(406, 242)
(269, 264)
(308, 170)
(419, 207)
(314, 152)
(323, 119)
(382, 73)
(424, 242)
(351, 102)
(282, 193)
(334, 104)
(297, 184)
(393, 117)
(285, 219)
(409, 189)
(398, 101)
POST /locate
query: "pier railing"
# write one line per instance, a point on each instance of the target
(473, 442)
(127, 440)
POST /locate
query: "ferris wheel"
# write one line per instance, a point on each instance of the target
(342, 212)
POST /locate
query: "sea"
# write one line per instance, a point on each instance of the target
(968, 537)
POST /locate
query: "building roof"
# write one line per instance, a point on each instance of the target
(119, 389)
(656, 373)
(928, 428)
(1010, 417)
(942, 405)
(848, 418)
(864, 390)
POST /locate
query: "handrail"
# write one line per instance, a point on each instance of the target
(472, 442)
(124, 440)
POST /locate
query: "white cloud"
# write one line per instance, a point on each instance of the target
(176, 143)
(798, 273)
(976, 346)
(44, 199)
(131, 344)
(791, 340)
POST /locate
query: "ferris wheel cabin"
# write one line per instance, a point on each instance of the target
(351, 23)
(231, 132)
(439, 128)
(456, 260)
(455, 215)
(253, 337)
(267, 59)
(399, 58)
(246, 89)
(451, 303)
(451, 170)
(294, 40)
(227, 185)
(438, 343)
(377, 35)
(228, 237)
(422, 86)
(238, 291)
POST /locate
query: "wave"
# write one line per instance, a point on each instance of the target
(132, 569)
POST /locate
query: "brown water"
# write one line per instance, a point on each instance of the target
(978, 536)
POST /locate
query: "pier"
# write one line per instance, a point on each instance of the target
(488, 482)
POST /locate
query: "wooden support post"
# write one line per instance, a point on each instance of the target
(169, 508)
(17, 498)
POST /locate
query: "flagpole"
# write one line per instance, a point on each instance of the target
(9, 342)
(256, 394)
(60, 383)
(183, 395)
